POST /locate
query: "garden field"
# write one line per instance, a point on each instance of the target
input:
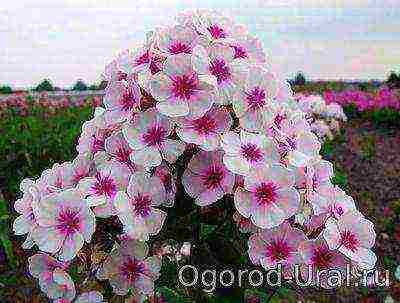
(36, 133)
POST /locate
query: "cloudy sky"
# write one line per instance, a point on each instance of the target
(69, 39)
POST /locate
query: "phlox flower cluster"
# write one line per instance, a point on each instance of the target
(201, 87)
(324, 116)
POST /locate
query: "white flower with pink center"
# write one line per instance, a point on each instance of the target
(315, 180)
(253, 97)
(300, 148)
(100, 190)
(59, 177)
(211, 25)
(277, 246)
(206, 130)
(218, 61)
(268, 196)
(148, 136)
(121, 100)
(64, 223)
(353, 236)
(317, 257)
(168, 180)
(336, 203)
(52, 276)
(206, 179)
(25, 222)
(177, 39)
(129, 269)
(93, 134)
(136, 208)
(82, 167)
(180, 90)
(247, 47)
(118, 149)
(246, 151)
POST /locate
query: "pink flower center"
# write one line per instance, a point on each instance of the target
(216, 32)
(155, 135)
(240, 52)
(322, 257)
(68, 221)
(278, 250)
(265, 193)
(97, 144)
(204, 125)
(251, 152)
(349, 240)
(79, 175)
(183, 87)
(179, 48)
(128, 101)
(142, 204)
(220, 70)
(122, 154)
(104, 185)
(255, 98)
(213, 177)
(154, 67)
(131, 269)
(143, 59)
(338, 210)
(278, 120)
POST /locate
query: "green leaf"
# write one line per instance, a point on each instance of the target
(206, 230)
(172, 296)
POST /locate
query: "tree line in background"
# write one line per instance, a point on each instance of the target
(299, 81)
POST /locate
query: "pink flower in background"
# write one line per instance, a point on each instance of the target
(316, 256)
(268, 196)
(168, 180)
(136, 208)
(148, 136)
(99, 191)
(353, 236)
(25, 222)
(246, 151)
(177, 39)
(179, 89)
(277, 246)
(206, 179)
(254, 95)
(127, 268)
(64, 223)
(218, 61)
(52, 276)
(121, 100)
(206, 130)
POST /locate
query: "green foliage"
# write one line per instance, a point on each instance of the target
(45, 85)
(28, 145)
(80, 85)
(5, 89)
(4, 239)
(300, 79)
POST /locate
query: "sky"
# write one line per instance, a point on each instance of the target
(69, 39)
